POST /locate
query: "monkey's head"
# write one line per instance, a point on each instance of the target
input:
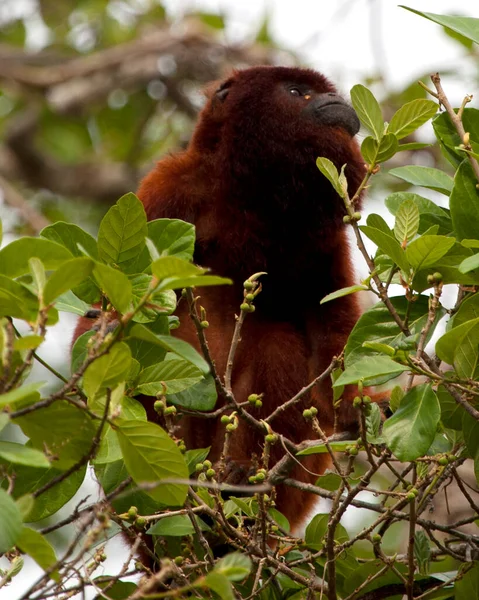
(278, 118)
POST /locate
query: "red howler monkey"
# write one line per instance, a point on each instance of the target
(249, 182)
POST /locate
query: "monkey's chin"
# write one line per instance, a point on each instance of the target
(339, 115)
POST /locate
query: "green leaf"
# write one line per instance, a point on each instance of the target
(70, 274)
(377, 152)
(28, 342)
(115, 285)
(450, 140)
(29, 479)
(14, 257)
(411, 116)
(10, 522)
(466, 26)
(430, 213)
(108, 370)
(234, 566)
(407, 222)
(69, 440)
(344, 292)
(368, 110)
(123, 230)
(159, 302)
(17, 301)
(317, 529)
(150, 455)
(467, 587)
(368, 368)
(448, 266)
(120, 590)
(193, 457)
(27, 394)
(177, 526)
(173, 267)
(71, 237)
(387, 244)
(422, 552)
(169, 377)
(37, 271)
(411, 430)
(447, 344)
(174, 283)
(320, 448)
(35, 545)
(219, 584)
(173, 237)
(427, 177)
(201, 396)
(426, 250)
(373, 425)
(23, 455)
(329, 481)
(171, 344)
(464, 203)
(328, 169)
(68, 302)
(388, 146)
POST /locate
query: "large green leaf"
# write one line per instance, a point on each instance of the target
(108, 370)
(159, 302)
(448, 137)
(201, 396)
(72, 237)
(426, 250)
(368, 369)
(171, 344)
(389, 245)
(466, 26)
(14, 257)
(115, 285)
(16, 300)
(177, 526)
(427, 177)
(317, 530)
(23, 455)
(368, 110)
(10, 522)
(29, 479)
(377, 325)
(407, 222)
(411, 116)
(448, 265)
(464, 333)
(464, 203)
(123, 230)
(172, 237)
(411, 430)
(329, 170)
(430, 213)
(70, 274)
(150, 455)
(69, 440)
(35, 545)
(168, 377)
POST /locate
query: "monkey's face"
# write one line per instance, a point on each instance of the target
(279, 112)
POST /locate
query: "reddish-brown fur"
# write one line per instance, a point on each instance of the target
(249, 183)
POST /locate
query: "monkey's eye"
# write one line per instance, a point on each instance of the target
(295, 92)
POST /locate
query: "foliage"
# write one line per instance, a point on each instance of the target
(125, 281)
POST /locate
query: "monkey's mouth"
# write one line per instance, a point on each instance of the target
(338, 114)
